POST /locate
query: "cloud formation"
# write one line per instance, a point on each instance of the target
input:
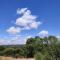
(58, 37)
(13, 30)
(43, 33)
(27, 19)
(25, 22)
(17, 39)
(21, 11)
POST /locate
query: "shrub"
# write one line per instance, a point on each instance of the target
(38, 56)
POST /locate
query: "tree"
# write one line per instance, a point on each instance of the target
(2, 48)
(29, 50)
(30, 41)
(52, 48)
(52, 40)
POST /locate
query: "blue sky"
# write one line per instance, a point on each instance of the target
(45, 13)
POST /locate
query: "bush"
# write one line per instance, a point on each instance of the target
(38, 56)
(9, 52)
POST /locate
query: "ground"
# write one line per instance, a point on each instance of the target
(10, 58)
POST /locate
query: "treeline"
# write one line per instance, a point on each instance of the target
(47, 48)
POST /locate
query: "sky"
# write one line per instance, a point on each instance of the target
(22, 19)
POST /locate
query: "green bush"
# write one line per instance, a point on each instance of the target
(38, 56)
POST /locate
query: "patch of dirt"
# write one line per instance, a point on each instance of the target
(10, 58)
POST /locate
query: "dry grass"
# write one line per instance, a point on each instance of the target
(10, 58)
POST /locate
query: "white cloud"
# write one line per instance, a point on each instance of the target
(43, 33)
(13, 30)
(14, 40)
(17, 39)
(26, 28)
(27, 19)
(3, 42)
(21, 11)
(25, 22)
(58, 37)
(34, 24)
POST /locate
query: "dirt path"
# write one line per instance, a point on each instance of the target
(25, 59)
(10, 58)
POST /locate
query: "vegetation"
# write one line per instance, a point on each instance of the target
(47, 48)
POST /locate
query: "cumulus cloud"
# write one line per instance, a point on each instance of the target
(3, 42)
(34, 24)
(21, 11)
(13, 30)
(27, 19)
(58, 36)
(43, 33)
(14, 40)
(11, 40)
(17, 39)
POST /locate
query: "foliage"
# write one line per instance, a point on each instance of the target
(46, 48)
(38, 56)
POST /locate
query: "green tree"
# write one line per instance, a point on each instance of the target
(52, 40)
